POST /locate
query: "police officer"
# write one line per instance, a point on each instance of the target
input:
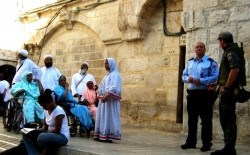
(200, 72)
(232, 70)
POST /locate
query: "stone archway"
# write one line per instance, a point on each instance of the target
(72, 47)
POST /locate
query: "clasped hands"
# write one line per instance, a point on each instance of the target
(194, 81)
(105, 98)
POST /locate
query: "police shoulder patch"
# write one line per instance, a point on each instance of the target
(229, 56)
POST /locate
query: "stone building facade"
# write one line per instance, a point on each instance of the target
(151, 41)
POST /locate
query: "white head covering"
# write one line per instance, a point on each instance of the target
(86, 63)
(112, 82)
(47, 56)
(23, 52)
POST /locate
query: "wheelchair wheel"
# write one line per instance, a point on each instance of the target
(73, 125)
(72, 131)
(18, 119)
(8, 115)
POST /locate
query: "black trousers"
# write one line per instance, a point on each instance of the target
(227, 106)
(199, 105)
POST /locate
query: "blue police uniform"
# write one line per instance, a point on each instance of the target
(206, 70)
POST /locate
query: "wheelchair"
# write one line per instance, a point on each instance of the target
(13, 117)
(75, 126)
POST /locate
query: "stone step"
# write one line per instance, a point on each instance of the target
(7, 142)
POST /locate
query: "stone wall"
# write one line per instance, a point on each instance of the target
(8, 57)
(131, 31)
(203, 21)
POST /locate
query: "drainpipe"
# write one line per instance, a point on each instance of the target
(165, 30)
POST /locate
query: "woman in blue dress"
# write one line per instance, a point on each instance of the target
(65, 96)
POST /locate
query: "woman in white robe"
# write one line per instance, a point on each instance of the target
(107, 124)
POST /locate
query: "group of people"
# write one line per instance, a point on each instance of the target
(36, 85)
(205, 81)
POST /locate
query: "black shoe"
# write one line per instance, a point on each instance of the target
(225, 151)
(188, 146)
(88, 133)
(106, 141)
(206, 147)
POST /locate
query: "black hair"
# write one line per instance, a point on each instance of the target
(45, 97)
(61, 77)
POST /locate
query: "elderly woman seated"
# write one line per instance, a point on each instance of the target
(30, 89)
(65, 97)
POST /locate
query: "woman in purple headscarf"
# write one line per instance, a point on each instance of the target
(107, 124)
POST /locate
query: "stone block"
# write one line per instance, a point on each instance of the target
(160, 98)
(239, 13)
(125, 107)
(133, 65)
(133, 111)
(215, 31)
(199, 19)
(59, 52)
(126, 51)
(248, 68)
(174, 61)
(92, 48)
(83, 41)
(153, 44)
(170, 78)
(246, 47)
(147, 111)
(227, 3)
(243, 2)
(168, 41)
(169, 113)
(244, 31)
(98, 64)
(142, 94)
(178, 6)
(174, 22)
(153, 78)
(77, 57)
(172, 95)
(213, 50)
(199, 4)
(171, 50)
(217, 16)
(132, 79)
(93, 56)
(157, 62)
(205, 4)
(126, 93)
(199, 35)
(78, 49)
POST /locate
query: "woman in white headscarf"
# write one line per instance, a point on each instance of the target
(107, 124)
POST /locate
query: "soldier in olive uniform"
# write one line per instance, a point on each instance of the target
(232, 72)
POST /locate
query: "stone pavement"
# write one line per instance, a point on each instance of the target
(136, 141)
